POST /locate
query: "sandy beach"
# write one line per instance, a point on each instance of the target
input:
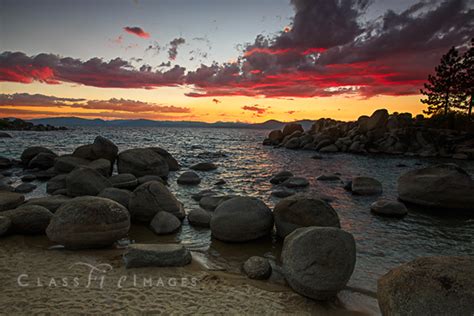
(33, 280)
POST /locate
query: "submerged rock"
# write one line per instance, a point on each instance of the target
(204, 166)
(388, 207)
(257, 268)
(280, 177)
(443, 186)
(156, 255)
(366, 186)
(189, 178)
(295, 182)
(165, 223)
(241, 219)
(318, 261)
(283, 192)
(428, 286)
(141, 162)
(89, 222)
(303, 211)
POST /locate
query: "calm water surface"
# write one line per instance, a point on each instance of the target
(247, 166)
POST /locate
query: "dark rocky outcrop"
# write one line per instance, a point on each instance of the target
(141, 162)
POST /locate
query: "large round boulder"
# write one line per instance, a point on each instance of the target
(318, 261)
(165, 223)
(67, 163)
(31, 152)
(85, 181)
(445, 186)
(291, 128)
(173, 164)
(141, 162)
(257, 268)
(43, 161)
(276, 136)
(429, 286)
(302, 211)
(150, 198)
(28, 219)
(89, 222)
(189, 178)
(199, 217)
(118, 195)
(10, 200)
(241, 219)
(104, 148)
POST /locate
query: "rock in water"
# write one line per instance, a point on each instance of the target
(189, 178)
(31, 152)
(443, 186)
(388, 207)
(173, 164)
(366, 186)
(241, 219)
(89, 222)
(5, 224)
(295, 182)
(257, 268)
(85, 181)
(29, 219)
(10, 200)
(318, 261)
(156, 255)
(283, 192)
(291, 128)
(280, 177)
(104, 148)
(303, 211)
(429, 286)
(67, 163)
(43, 161)
(153, 197)
(165, 223)
(204, 166)
(199, 217)
(118, 195)
(141, 162)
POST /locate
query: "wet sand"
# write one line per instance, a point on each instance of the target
(33, 279)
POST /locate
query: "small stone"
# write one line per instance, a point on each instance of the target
(204, 166)
(199, 217)
(165, 223)
(257, 268)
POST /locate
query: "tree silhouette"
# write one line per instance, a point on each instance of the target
(442, 88)
(466, 80)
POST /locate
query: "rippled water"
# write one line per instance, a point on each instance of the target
(246, 166)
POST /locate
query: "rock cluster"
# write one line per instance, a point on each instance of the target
(396, 133)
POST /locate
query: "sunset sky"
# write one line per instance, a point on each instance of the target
(222, 60)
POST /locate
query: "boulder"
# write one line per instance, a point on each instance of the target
(281, 177)
(124, 181)
(102, 166)
(241, 219)
(42, 161)
(56, 183)
(5, 224)
(211, 202)
(275, 136)
(291, 128)
(84, 152)
(67, 163)
(156, 255)
(85, 181)
(283, 192)
(366, 186)
(204, 166)
(318, 261)
(104, 148)
(257, 268)
(149, 178)
(31, 152)
(10, 200)
(165, 223)
(443, 186)
(52, 203)
(141, 162)
(428, 286)
(89, 222)
(173, 164)
(303, 211)
(25, 188)
(199, 217)
(28, 219)
(44, 175)
(150, 198)
(378, 119)
(189, 178)
(293, 143)
(389, 208)
(295, 182)
(118, 195)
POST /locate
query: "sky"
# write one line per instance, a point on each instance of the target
(222, 60)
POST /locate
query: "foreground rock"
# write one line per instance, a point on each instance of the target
(85, 181)
(428, 286)
(366, 186)
(28, 219)
(141, 162)
(204, 166)
(325, 270)
(165, 223)
(10, 200)
(303, 211)
(102, 148)
(31, 152)
(89, 222)
(386, 207)
(200, 218)
(156, 255)
(241, 219)
(443, 186)
(257, 268)
(189, 178)
(153, 197)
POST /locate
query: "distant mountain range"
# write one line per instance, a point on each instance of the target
(76, 122)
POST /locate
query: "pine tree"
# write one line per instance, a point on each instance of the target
(442, 87)
(466, 80)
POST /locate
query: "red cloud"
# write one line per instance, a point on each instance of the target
(254, 108)
(138, 31)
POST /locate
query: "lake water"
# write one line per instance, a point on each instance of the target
(247, 166)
